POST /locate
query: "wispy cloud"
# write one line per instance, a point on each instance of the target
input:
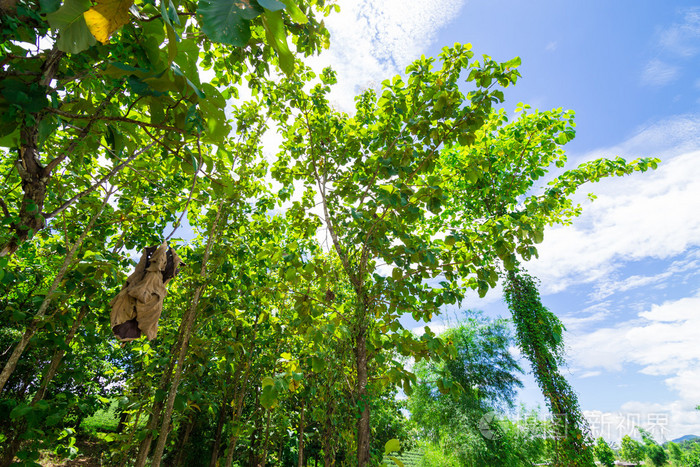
(680, 270)
(637, 217)
(659, 73)
(683, 38)
(676, 46)
(372, 41)
(662, 340)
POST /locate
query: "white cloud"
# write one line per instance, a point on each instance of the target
(649, 215)
(373, 41)
(683, 38)
(659, 73)
(663, 341)
(437, 328)
(685, 268)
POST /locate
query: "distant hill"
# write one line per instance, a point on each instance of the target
(685, 438)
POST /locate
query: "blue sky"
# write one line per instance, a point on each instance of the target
(625, 278)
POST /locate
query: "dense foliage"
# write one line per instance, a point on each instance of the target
(282, 338)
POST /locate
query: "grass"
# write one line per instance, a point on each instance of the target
(104, 420)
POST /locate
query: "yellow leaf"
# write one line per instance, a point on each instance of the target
(106, 16)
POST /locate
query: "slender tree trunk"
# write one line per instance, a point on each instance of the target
(188, 319)
(183, 441)
(217, 436)
(154, 418)
(33, 326)
(34, 176)
(135, 427)
(301, 436)
(241, 397)
(252, 455)
(328, 450)
(267, 438)
(58, 355)
(363, 433)
(13, 446)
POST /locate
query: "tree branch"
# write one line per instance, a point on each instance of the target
(89, 190)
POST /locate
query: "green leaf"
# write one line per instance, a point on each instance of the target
(226, 21)
(73, 33)
(538, 235)
(277, 37)
(317, 364)
(513, 62)
(294, 11)
(272, 5)
(269, 395)
(49, 6)
(509, 262)
(168, 12)
(396, 461)
(392, 445)
(20, 411)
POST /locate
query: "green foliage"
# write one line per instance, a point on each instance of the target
(482, 377)
(656, 454)
(604, 453)
(113, 140)
(632, 450)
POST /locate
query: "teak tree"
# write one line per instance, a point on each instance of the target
(423, 184)
(83, 80)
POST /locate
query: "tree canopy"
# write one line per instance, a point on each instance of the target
(121, 125)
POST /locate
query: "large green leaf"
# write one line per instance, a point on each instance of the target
(392, 445)
(277, 37)
(269, 393)
(272, 5)
(73, 33)
(294, 11)
(227, 21)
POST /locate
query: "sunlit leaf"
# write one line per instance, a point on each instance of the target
(73, 33)
(106, 16)
(227, 21)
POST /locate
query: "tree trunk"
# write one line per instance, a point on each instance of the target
(217, 437)
(127, 451)
(13, 446)
(58, 355)
(301, 436)
(34, 176)
(252, 455)
(363, 432)
(33, 326)
(189, 323)
(267, 438)
(183, 441)
(328, 450)
(154, 418)
(240, 397)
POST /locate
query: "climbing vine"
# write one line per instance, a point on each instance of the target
(539, 336)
